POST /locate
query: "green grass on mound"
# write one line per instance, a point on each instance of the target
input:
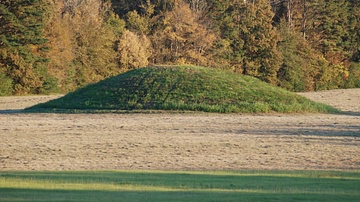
(184, 88)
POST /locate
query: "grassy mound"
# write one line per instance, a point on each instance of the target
(183, 88)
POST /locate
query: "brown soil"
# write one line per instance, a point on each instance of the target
(197, 141)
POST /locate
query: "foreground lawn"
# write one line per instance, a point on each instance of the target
(180, 186)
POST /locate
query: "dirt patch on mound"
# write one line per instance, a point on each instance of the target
(181, 141)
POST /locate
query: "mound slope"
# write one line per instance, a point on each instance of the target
(183, 88)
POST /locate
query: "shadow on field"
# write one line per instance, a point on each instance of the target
(11, 111)
(29, 195)
(152, 186)
(319, 130)
(350, 113)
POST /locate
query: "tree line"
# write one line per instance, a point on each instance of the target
(49, 46)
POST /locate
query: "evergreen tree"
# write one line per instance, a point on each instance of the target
(226, 20)
(262, 59)
(248, 28)
(354, 48)
(22, 46)
(301, 63)
(329, 28)
(354, 30)
(329, 33)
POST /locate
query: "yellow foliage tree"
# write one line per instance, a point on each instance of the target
(182, 38)
(82, 39)
(134, 50)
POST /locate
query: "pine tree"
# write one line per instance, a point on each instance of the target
(300, 69)
(248, 28)
(22, 45)
(329, 34)
(262, 59)
(354, 30)
(226, 20)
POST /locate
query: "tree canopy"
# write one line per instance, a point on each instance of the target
(49, 46)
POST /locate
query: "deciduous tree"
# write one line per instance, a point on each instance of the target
(181, 38)
(134, 50)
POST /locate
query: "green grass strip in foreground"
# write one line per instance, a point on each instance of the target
(180, 186)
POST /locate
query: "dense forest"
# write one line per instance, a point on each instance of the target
(53, 46)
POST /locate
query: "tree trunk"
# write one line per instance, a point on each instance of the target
(304, 16)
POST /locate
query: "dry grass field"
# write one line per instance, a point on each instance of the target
(176, 141)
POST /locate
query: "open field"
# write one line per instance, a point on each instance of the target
(178, 141)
